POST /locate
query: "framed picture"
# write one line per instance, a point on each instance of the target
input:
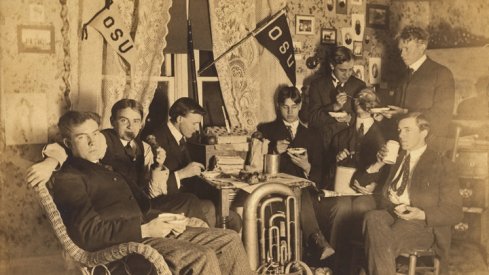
(35, 39)
(357, 48)
(377, 16)
(328, 36)
(304, 24)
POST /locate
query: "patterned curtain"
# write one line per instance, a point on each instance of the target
(248, 76)
(147, 20)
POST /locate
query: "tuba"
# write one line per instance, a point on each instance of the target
(273, 238)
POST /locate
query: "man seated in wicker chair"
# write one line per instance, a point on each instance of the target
(133, 158)
(99, 210)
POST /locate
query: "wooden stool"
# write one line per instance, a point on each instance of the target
(413, 257)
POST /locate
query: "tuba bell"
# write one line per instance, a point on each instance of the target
(273, 238)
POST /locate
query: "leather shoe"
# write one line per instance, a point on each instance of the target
(320, 246)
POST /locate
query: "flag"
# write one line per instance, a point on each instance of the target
(275, 37)
(109, 23)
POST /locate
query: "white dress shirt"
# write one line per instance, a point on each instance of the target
(404, 197)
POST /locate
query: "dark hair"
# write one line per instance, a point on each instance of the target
(74, 118)
(421, 120)
(414, 33)
(341, 55)
(367, 99)
(289, 92)
(183, 106)
(123, 104)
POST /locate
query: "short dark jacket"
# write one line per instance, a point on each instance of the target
(305, 138)
(96, 204)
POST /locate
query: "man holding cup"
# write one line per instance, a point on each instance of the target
(420, 201)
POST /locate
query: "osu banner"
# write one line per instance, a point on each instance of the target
(275, 37)
(109, 23)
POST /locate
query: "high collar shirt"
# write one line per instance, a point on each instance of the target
(293, 126)
(415, 66)
(367, 123)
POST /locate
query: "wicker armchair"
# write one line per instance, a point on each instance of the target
(89, 260)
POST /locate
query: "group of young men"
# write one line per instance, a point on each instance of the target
(112, 184)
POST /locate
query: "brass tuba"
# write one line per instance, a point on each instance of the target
(278, 235)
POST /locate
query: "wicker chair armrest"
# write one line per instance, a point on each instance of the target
(117, 252)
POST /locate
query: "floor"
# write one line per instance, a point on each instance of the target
(466, 259)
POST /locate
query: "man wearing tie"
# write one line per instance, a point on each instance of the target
(288, 132)
(185, 117)
(420, 202)
(333, 93)
(426, 87)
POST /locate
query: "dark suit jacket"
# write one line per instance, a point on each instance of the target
(433, 188)
(322, 96)
(176, 158)
(431, 91)
(368, 148)
(96, 204)
(305, 138)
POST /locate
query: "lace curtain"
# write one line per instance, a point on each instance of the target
(249, 75)
(148, 21)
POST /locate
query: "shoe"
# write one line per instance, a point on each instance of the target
(320, 246)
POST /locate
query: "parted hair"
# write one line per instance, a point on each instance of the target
(340, 55)
(123, 104)
(74, 118)
(421, 120)
(414, 33)
(184, 106)
(289, 92)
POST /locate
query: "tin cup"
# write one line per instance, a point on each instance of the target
(271, 165)
(392, 150)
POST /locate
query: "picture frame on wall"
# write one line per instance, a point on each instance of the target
(328, 36)
(35, 39)
(304, 24)
(377, 16)
(357, 48)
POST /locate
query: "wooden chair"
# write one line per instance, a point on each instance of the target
(88, 261)
(413, 256)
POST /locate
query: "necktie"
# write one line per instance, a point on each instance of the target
(404, 90)
(405, 177)
(289, 128)
(131, 152)
(361, 131)
(183, 149)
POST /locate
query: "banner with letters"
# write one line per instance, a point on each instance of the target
(109, 23)
(275, 36)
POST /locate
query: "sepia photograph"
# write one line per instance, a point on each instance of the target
(35, 39)
(328, 36)
(377, 16)
(207, 137)
(304, 24)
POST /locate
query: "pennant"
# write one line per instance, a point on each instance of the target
(275, 37)
(108, 22)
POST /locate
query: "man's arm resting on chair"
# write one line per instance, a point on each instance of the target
(39, 173)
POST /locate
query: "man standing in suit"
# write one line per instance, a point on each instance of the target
(99, 210)
(185, 117)
(288, 132)
(426, 87)
(421, 202)
(333, 93)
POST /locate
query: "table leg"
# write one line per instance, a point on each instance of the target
(224, 206)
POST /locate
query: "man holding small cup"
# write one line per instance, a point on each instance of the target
(420, 201)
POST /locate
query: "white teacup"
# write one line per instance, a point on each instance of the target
(392, 150)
